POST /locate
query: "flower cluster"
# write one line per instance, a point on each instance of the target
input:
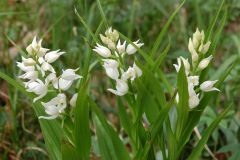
(40, 76)
(198, 50)
(113, 52)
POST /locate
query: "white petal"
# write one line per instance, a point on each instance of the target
(73, 100)
(53, 56)
(118, 93)
(64, 84)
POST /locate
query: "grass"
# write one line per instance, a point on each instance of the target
(164, 27)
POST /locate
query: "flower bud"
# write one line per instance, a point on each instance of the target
(28, 61)
(102, 51)
(192, 51)
(204, 47)
(53, 56)
(204, 63)
(70, 75)
(131, 49)
(73, 100)
(207, 86)
(121, 47)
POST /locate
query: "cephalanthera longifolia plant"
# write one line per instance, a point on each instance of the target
(157, 117)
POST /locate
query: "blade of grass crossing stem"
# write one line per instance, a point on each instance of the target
(155, 128)
(222, 69)
(207, 133)
(51, 130)
(161, 56)
(209, 32)
(182, 107)
(105, 144)
(68, 151)
(218, 34)
(110, 139)
(171, 141)
(86, 27)
(164, 31)
(82, 133)
(124, 118)
(102, 14)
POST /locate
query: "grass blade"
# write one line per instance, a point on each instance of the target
(207, 133)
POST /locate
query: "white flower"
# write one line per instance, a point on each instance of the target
(121, 47)
(112, 34)
(47, 67)
(107, 41)
(53, 56)
(63, 84)
(132, 73)
(207, 86)
(28, 61)
(198, 38)
(52, 78)
(192, 50)
(194, 80)
(55, 106)
(35, 48)
(121, 88)
(66, 79)
(70, 75)
(111, 68)
(39, 88)
(185, 63)
(25, 68)
(204, 63)
(191, 90)
(137, 70)
(73, 100)
(32, 75)
(204, 47)
(102, 51)
(131, 49)
(193, 101)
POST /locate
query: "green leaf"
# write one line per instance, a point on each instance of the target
(210, 30)
(82, 133)
(111, 147)
(182, 106)
(68, 151)
(155, 128)
(164, 30)
(102, 13)
(207, 133)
